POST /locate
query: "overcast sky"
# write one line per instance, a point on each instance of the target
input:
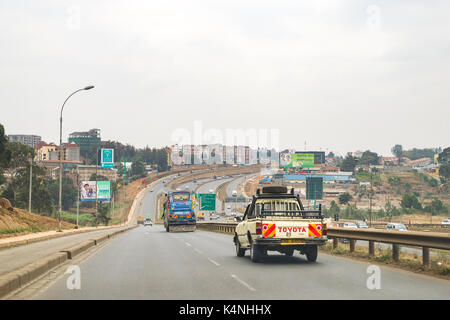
(340, 75)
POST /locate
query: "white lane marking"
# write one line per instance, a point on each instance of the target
(249, 287)
(188, 244)
(198, 251)
(214, 262)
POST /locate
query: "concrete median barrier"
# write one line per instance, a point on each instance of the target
(77, 249)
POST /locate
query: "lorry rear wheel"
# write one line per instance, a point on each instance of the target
(255, 252)
(311, 253)
(289, 253)
(167, 228)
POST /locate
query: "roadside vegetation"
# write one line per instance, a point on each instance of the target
(439, 263)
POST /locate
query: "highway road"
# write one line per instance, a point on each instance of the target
(149, 263)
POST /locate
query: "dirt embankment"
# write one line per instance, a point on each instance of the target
(14, 221)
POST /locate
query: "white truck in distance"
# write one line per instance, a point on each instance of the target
(277, 221)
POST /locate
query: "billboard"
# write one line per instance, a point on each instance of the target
(296, 160)
(95, 190)
(88, 190)
(103, 190)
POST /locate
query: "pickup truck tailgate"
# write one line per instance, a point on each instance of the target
(291, 229)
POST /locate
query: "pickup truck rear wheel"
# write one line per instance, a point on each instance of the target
(255, 252)
(311, 253)
(239, 251)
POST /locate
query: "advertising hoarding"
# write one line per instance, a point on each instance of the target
(296, 160)
(88, 190)
(103, 190)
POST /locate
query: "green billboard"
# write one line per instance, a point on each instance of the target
(207, 202)
(296, 160)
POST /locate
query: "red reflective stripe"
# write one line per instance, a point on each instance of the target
(270, 230)
(313, 230)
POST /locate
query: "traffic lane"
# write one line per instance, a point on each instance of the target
(16, 257)
(331, 277)
(150, 198)
(147, 263)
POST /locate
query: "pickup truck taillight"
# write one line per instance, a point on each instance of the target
(324, 229)
(258, 228)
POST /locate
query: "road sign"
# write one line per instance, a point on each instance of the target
(314, 188)
(207, 201)
(107, 158)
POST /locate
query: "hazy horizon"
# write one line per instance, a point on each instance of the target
(342, 76)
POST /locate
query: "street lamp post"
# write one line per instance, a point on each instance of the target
(61, 154)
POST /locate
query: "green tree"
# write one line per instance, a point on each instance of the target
(5, 155)
(369, 158)
(137, 167)
(410, 201)
(102, 213)
(69, 192)
(349, 163)
(17, 190)
(20, 154)
(397, 151)
(345, 198)
(438, 206)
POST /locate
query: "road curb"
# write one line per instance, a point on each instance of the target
(18, 243)
(16, 279)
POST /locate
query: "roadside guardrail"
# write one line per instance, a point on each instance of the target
(426, 240)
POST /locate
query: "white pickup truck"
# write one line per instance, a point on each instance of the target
(277, 221)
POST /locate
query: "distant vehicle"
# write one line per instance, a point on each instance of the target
(211, 191)
(179, 212)
(215, 177)
(266, 179)
(233, 214)
(140, 220)
(362, 225)
(396, 226)
(148, 220)
(349, 225)
(195, 181)
(228, 207)
(234, 193)
(446, 223)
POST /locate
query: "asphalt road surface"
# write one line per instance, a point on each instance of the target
(149, 263)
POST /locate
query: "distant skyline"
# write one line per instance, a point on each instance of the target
(341, 75)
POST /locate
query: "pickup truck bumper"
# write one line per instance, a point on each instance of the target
(288, 242)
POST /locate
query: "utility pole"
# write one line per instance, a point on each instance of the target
(78, 187)
(96, 191)
(31, 183)
(370, 200)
